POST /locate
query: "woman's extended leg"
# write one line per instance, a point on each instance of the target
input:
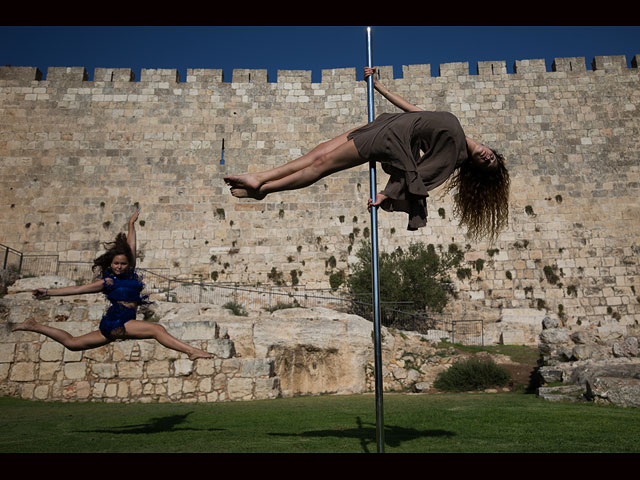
(248, 185)
(344, 156)
(137, 329)
(82, 342)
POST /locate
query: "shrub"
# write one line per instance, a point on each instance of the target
(472, 374)
(336, 279)
(419, 275)
(236, 309)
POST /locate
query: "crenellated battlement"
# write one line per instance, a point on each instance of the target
(258, 76)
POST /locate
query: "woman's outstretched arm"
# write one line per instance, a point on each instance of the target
(394, 98)
(93, 287)
(131, 234)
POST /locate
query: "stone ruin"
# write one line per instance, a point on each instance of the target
(263, 355)
(290, 352)
(598, 363)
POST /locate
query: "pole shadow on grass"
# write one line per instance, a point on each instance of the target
(366, 434)
(155, 425)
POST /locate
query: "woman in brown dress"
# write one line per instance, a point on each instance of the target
(419, 150)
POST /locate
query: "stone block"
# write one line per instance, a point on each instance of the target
(193, 330)
(129, 369)
(51, 352)
(554, 336)
(550, 374)
(71, 356)
(183, 367)
(7, 352)
(624, 392)
(569, 64)
(111, 390)
(205, 385)
(240, 388)
(512, 337)
(23, 372)
(492, 68)
(75, 370)
(220, 382)
(67, 74)
(49, 370)
(529, 66)
(609, 63)
(113, 75)
(83, 390)
(41, 392)
(626, 348)
(174, 387)
(157, 369)
(104, 370)
(123, 390)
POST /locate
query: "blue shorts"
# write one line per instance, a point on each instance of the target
(115, 318)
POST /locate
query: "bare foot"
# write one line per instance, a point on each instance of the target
(246, 181)
(28, 326)
(247, 193)
(199, 354)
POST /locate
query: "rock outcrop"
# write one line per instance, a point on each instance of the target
(600, 364)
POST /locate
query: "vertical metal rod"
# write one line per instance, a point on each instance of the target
(374, 269)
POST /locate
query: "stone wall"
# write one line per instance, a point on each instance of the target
(77, 156)
(262, 355)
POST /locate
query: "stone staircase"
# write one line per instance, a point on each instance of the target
(35, 367)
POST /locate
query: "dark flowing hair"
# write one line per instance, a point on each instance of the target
(481, 198)
(118, 247)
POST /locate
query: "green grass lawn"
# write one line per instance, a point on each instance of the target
(465, 423)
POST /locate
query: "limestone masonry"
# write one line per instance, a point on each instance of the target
(289, 352)
(78, 156)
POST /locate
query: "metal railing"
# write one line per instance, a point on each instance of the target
(467, 332)
(11, 259)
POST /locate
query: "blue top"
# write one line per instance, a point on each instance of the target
(126, 287)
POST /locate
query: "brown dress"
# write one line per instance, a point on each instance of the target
(397, 140)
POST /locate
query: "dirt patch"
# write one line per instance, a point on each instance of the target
(520, 374)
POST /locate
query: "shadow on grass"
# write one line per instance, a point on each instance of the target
(367, 434)
(154, 425)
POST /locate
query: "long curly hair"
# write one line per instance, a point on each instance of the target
(118, 247)
(481, 198)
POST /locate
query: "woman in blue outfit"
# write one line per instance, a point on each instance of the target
(123, 287)
(420, 150)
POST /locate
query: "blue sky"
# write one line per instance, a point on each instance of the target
(304, 47)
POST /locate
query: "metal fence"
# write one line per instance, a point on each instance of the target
(11, 259)
(467, 332)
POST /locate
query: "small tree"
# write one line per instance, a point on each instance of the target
(419, 275)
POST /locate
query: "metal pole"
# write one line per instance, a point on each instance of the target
(374, 269)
